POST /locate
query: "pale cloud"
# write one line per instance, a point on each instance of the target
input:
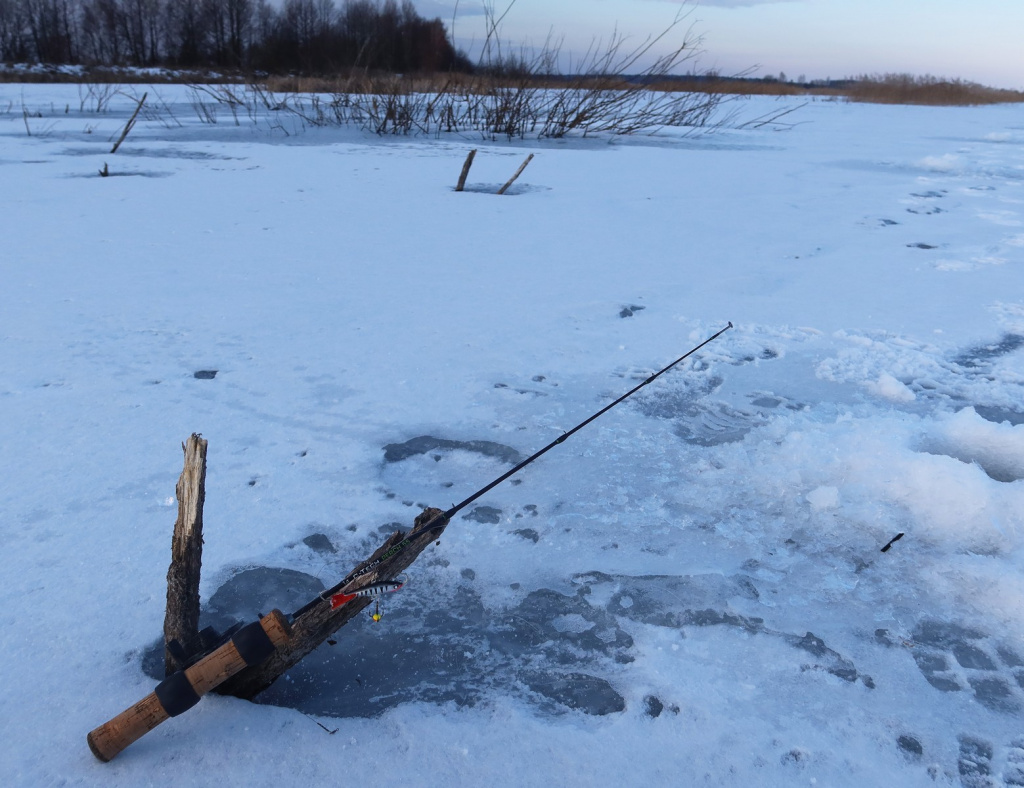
(732, 3)
(445, 8)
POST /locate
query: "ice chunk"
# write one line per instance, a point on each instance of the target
(887, 387)
(822, 498)
(997, 448)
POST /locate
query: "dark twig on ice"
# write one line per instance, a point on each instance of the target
(131, 122)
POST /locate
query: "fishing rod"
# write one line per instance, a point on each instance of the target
(253, 644)
(439, 521)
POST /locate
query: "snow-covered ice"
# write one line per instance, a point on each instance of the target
(690, 590)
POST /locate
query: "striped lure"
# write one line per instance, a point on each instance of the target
(374, 589)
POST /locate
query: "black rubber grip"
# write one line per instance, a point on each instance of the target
(176, 694)
(253, 644)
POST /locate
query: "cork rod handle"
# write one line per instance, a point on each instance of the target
(180, 691)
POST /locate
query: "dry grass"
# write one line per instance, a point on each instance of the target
(878, 89)
(935, 91)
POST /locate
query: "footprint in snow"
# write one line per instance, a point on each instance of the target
(982, 764)
(957, 658)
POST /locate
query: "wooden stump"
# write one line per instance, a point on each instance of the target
(308, 630)
(465, 171)
(181, 618)
(518, 172)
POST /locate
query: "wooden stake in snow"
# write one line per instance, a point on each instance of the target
(465, 171)
(129, 124)
(181, 619)
(253, 657)
(518, 173)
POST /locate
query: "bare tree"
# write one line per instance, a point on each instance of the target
(101, 30)
(185, 34)
(239, 20)
(306, 35)
(14, 45)
(138, 23)
(52, 29)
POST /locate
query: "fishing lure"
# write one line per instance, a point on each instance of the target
(372, 590)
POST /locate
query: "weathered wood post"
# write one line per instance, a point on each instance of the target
(181, 618)
(131, 122)
(518, 172)
(465, 171)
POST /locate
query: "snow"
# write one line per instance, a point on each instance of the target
(887, 387)
(689, 590)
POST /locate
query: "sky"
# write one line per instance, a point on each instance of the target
(974, 40)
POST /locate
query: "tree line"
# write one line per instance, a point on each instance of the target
(309, 36)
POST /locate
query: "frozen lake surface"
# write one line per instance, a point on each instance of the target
(691, 590)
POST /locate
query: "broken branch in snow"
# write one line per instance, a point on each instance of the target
(129, 124)
(465, 171)
(517, 174)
